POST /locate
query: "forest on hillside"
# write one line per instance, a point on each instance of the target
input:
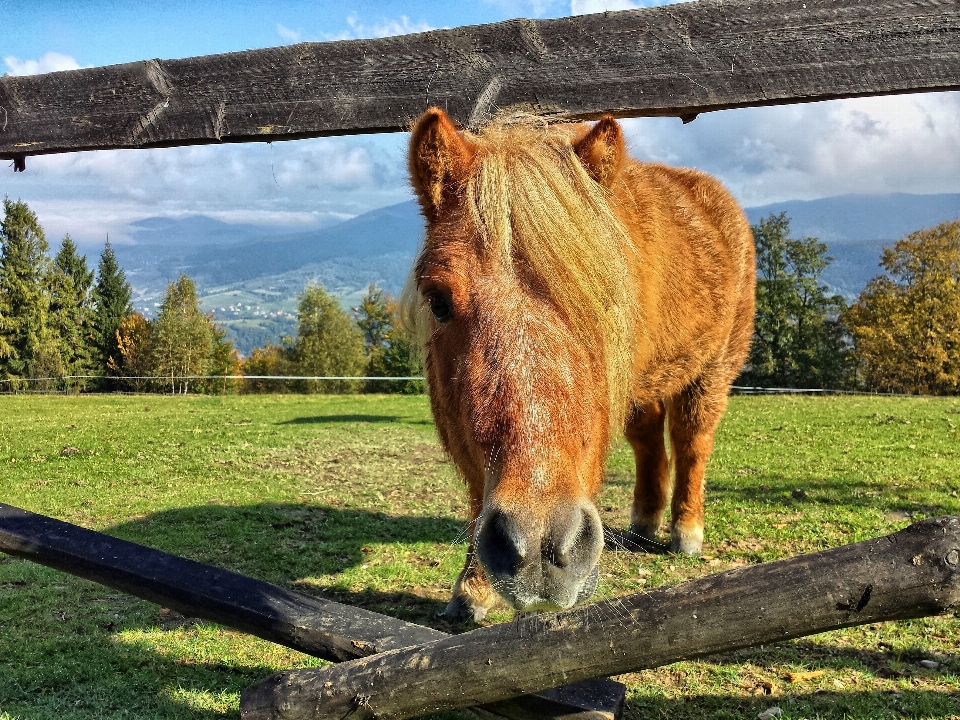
(67, 327)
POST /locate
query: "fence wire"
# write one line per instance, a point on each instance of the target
(167, 379)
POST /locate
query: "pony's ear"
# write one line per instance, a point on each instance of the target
(602, 150)
(439, 156)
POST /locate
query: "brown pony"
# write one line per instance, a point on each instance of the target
(566, 292)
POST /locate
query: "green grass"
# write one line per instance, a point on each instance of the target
(351, 498)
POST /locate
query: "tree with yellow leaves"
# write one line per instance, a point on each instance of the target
(906, 323)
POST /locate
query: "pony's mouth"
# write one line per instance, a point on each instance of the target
(523, 601)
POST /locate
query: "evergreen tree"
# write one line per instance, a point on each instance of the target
(29, 348)
(798, 338)
(374, 318)
(112, 302)
(182, 337)
(70, 311)
(329, 343)
(388, 346)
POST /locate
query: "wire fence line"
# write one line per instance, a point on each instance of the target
(734, 389)
(168, 378)
(748, 390)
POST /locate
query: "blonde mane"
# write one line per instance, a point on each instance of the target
(544, 217)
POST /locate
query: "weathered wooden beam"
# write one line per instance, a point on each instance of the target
(912, 573)
(317, 627)
(677, 60)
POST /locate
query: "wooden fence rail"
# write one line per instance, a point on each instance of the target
(676, 60)
(912, 573)
(312, 625)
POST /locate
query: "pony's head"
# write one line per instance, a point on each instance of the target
(522, 296)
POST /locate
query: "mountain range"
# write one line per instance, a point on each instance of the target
(249, 276)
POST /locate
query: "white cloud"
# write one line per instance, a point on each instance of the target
(905, 143)
(296, 184)
(383, 27)
(586, 7)
(48, 62)
(516, 8)
(288, 35)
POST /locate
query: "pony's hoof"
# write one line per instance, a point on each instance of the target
(632, 541)
(687, 543)
(459, 610)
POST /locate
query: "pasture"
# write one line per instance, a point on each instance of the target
(349, 497)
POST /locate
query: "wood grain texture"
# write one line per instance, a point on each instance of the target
(318, 627)
(912, 573)
(676, 60)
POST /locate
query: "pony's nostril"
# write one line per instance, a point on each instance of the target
(577, 541)
(500, 550)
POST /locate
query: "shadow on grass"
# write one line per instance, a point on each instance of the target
(284, 543)
(61, 657)
(70, 664)
(888, 662)
(287, 543)
(800, 700)
(356, 418)
(840, 704)
(766, 488)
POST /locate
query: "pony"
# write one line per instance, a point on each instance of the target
(565, 292)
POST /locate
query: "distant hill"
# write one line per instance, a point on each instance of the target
(194, 230)
(249, 276)
(857, 227)
(393, 230)
(858, 218)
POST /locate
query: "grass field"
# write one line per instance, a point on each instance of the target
(350, 498)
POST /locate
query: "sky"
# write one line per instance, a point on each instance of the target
(907, 143)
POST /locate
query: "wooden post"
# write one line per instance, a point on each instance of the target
(912, 573)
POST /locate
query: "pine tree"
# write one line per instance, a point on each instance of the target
(112, 302)
(182, 337)
(28, 346)
(373, 318)
(70, 310)
(388, 346)
(328, 342)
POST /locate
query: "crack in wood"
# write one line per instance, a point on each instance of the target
(158, 77)
(482, 109)
(218, 118)
(149, 119)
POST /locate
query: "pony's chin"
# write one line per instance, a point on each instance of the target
(587, 587)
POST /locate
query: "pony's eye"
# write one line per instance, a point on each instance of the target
(440, 307)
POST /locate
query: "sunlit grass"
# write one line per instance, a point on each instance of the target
(351, 498)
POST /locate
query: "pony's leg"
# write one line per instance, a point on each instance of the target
(694, 416)
(644, 431)
(472, 593)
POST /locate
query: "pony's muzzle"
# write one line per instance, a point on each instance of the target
(541, 564)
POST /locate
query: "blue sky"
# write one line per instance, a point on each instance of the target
(874, 145)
